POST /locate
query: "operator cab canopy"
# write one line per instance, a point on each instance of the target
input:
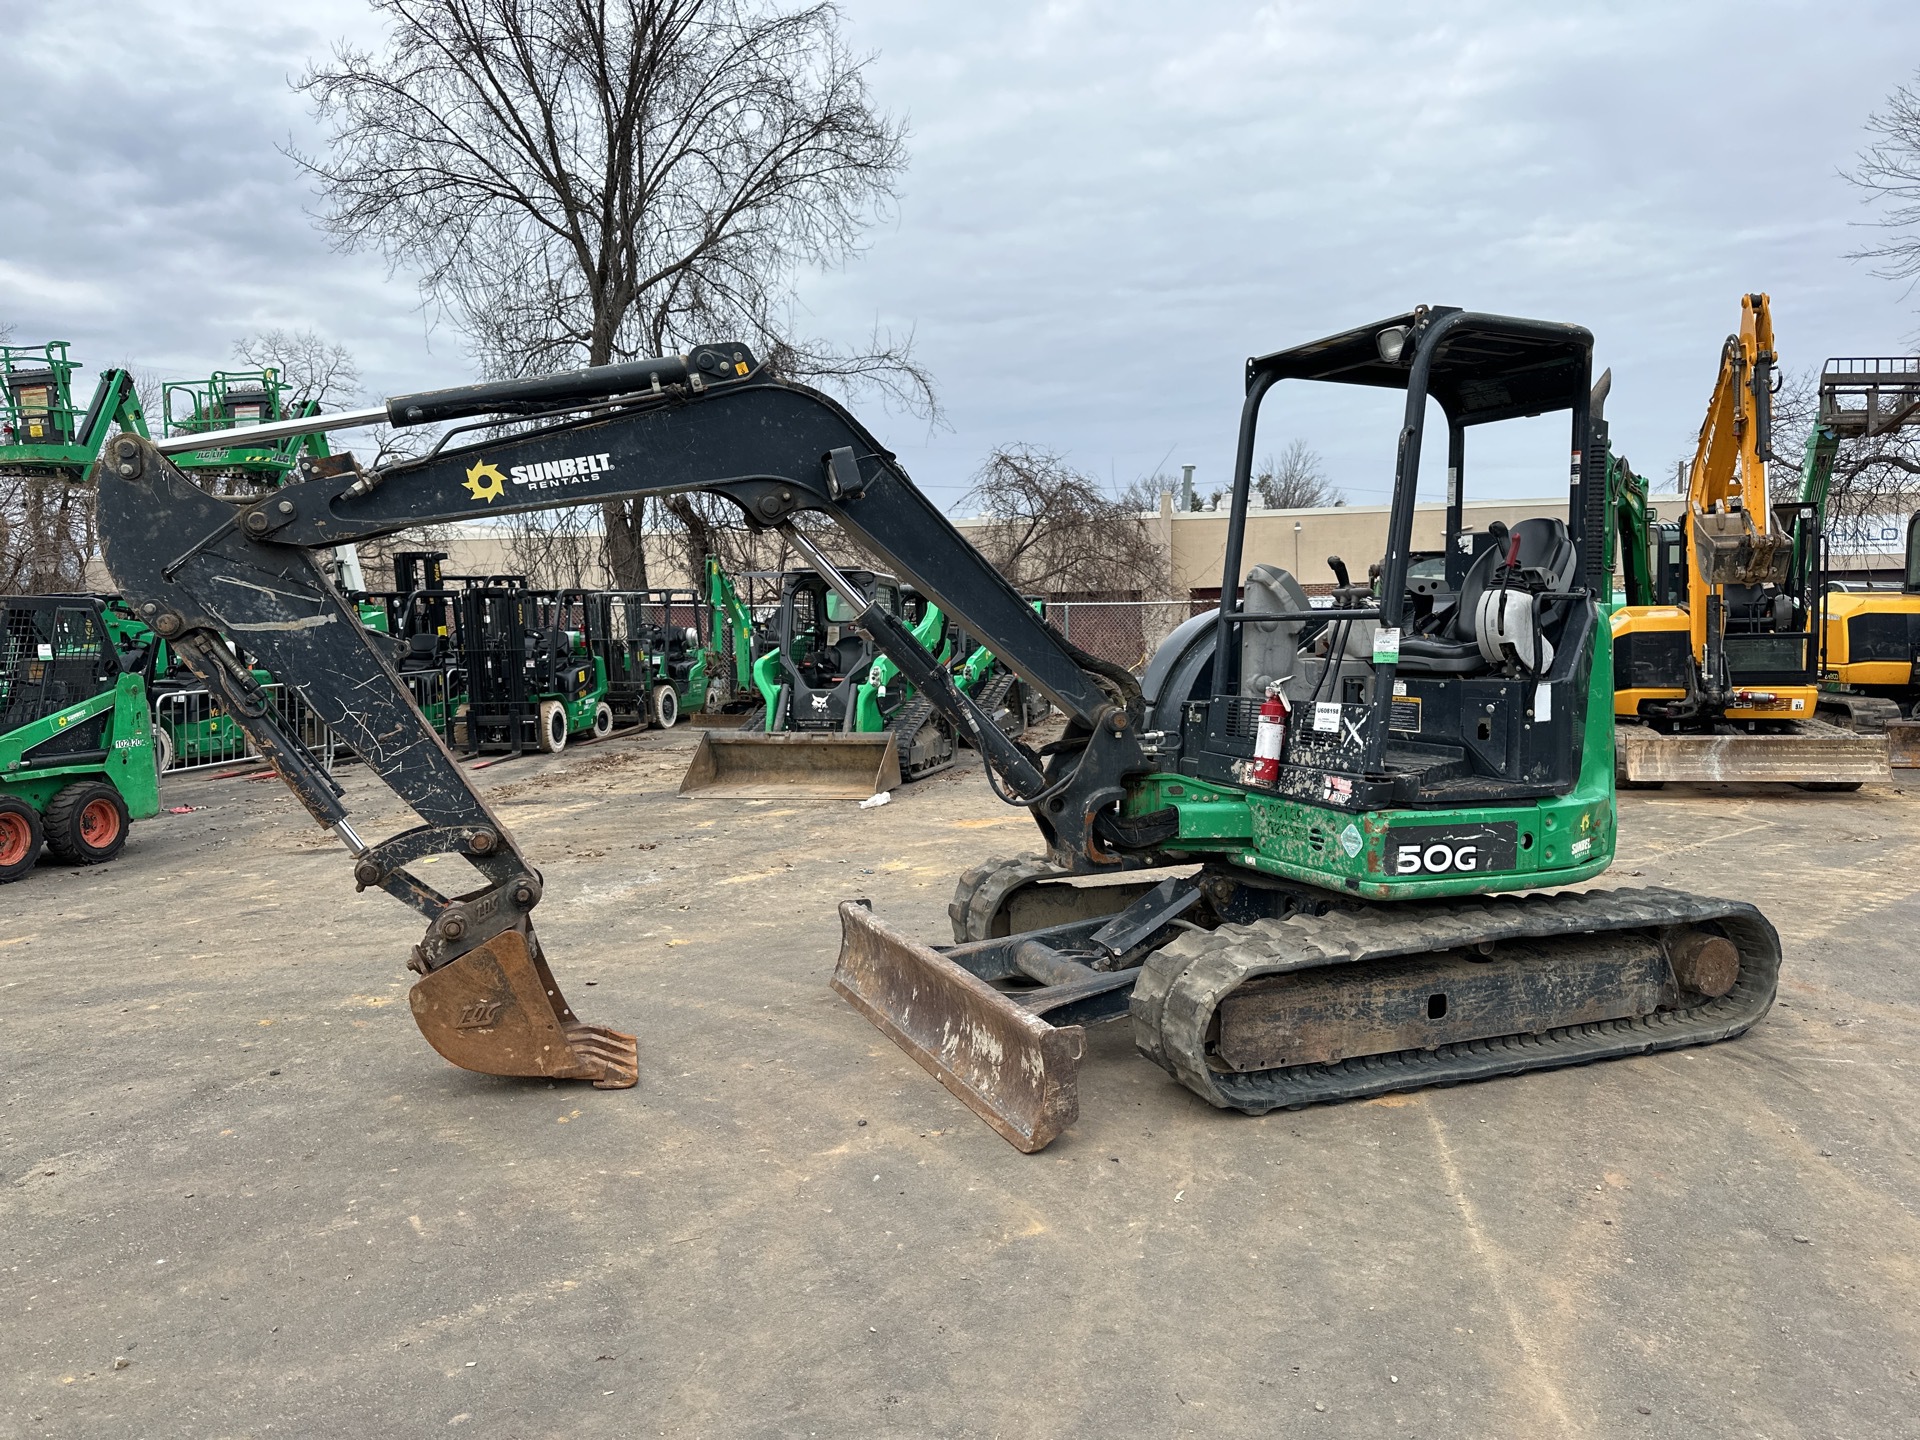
(1486, 367)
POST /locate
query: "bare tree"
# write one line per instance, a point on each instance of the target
(1875, 479)
(595, 180)
(315, 370)
(46, 534)
(1051, 529)
(1296, 479)
(1889, 171)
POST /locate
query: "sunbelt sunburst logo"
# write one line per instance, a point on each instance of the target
(485, 482)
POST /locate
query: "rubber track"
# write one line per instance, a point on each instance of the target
(905, 726)
(1865, 714)
(985, 889)
(994, 697)
(1183, 983)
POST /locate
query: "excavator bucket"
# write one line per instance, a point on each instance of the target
(1814, 754)
(497, 1010)
(1009, 1066)
(792, 765)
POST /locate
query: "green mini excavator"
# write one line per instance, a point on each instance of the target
(1288, 855)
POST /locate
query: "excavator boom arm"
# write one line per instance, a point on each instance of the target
(199, 568)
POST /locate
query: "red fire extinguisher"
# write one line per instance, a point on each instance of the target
(1269, 738)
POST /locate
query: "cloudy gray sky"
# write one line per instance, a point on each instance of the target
(1109, 207)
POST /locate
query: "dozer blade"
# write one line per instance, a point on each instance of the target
(1814, 754)
(793, 765)
(497, 1010)
(1009, 1066)
(1903, 744)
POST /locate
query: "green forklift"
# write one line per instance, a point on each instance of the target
(669, 652)
(77, 762)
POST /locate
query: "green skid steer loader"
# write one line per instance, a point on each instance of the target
(76, 741)
(835, 720)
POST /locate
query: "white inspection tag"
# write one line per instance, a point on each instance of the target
(1326, 716)
(1386, 646)
(1543, 701)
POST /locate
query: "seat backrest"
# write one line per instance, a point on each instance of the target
(1544, 546)
(1268, 648)
(852, 650)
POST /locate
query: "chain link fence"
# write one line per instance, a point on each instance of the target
(1125, 632)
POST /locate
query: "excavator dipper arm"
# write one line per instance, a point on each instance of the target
(199, 567)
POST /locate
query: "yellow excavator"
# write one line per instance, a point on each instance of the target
(1717, 660)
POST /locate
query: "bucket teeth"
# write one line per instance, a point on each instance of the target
(497, 1010)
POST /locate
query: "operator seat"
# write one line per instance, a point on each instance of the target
(1545, 546)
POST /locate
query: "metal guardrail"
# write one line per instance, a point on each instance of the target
(205, 736)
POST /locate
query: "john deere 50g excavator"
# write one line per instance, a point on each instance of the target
(1357, 786)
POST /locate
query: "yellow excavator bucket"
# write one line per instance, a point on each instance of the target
(792, 765)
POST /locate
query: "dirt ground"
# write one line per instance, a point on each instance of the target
(243, 1198)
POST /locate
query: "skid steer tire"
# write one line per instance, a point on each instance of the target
(20, 837)
(602, 720)
(665, 709)
(87, 823)
(162, 749)
(553, 726)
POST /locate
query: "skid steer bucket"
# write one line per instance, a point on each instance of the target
(1814, 754)
(497, 1010)
(795, 765)
(1009, 1066)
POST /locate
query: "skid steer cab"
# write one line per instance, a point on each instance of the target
(77, 758)
(836, 719)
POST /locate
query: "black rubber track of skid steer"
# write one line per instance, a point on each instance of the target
(905, 726)
(1183, 983)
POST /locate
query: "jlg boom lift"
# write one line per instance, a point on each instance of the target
(1346, 932)
(42, 432)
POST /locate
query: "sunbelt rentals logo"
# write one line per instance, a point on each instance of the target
(485, 481)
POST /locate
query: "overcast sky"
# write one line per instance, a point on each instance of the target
(1110, 206)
